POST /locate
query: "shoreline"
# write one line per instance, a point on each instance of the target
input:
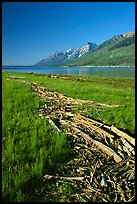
(98, 66)
(3, 66)
(108, 66)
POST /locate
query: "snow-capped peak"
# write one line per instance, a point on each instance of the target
(86, 48)
(70, 54)
(70, 50)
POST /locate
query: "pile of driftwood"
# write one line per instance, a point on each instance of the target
(103, 169)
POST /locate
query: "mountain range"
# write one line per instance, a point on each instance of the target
(64, 58)
(118, 50)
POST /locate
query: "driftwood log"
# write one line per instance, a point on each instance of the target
(100, 145)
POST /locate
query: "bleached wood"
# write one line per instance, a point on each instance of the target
(64, 178)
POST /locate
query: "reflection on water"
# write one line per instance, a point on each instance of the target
(122, 72)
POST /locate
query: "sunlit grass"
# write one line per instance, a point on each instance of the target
(102, 90)
(30, 147)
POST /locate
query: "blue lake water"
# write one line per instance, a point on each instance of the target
(121, 72)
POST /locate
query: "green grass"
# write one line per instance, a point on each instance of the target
(99, 89)
(32, 148)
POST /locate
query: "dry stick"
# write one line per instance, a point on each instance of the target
(112, 128)
(131, 199)
(52, 124)
(94, 103)
(69, 114)
(89, 119)
(101, 146)
(14, 77)
(108, 151)
(128, 146)
(121, 192)
(122, 134)
(65, 178)
(91, 179)
(92, 123)
(94, 128)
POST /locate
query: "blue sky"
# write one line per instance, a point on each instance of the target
(32, 31)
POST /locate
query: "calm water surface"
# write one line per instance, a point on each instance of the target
(121, 72)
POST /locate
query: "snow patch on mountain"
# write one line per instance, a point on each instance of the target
(70, 54)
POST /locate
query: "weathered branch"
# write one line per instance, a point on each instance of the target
(122, 134)
(53, 124)
(101, 146)
(64, 178)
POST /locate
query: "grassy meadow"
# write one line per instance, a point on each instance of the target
(32, 148)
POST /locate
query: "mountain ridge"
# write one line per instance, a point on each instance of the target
(64, 58)
(118, 50)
